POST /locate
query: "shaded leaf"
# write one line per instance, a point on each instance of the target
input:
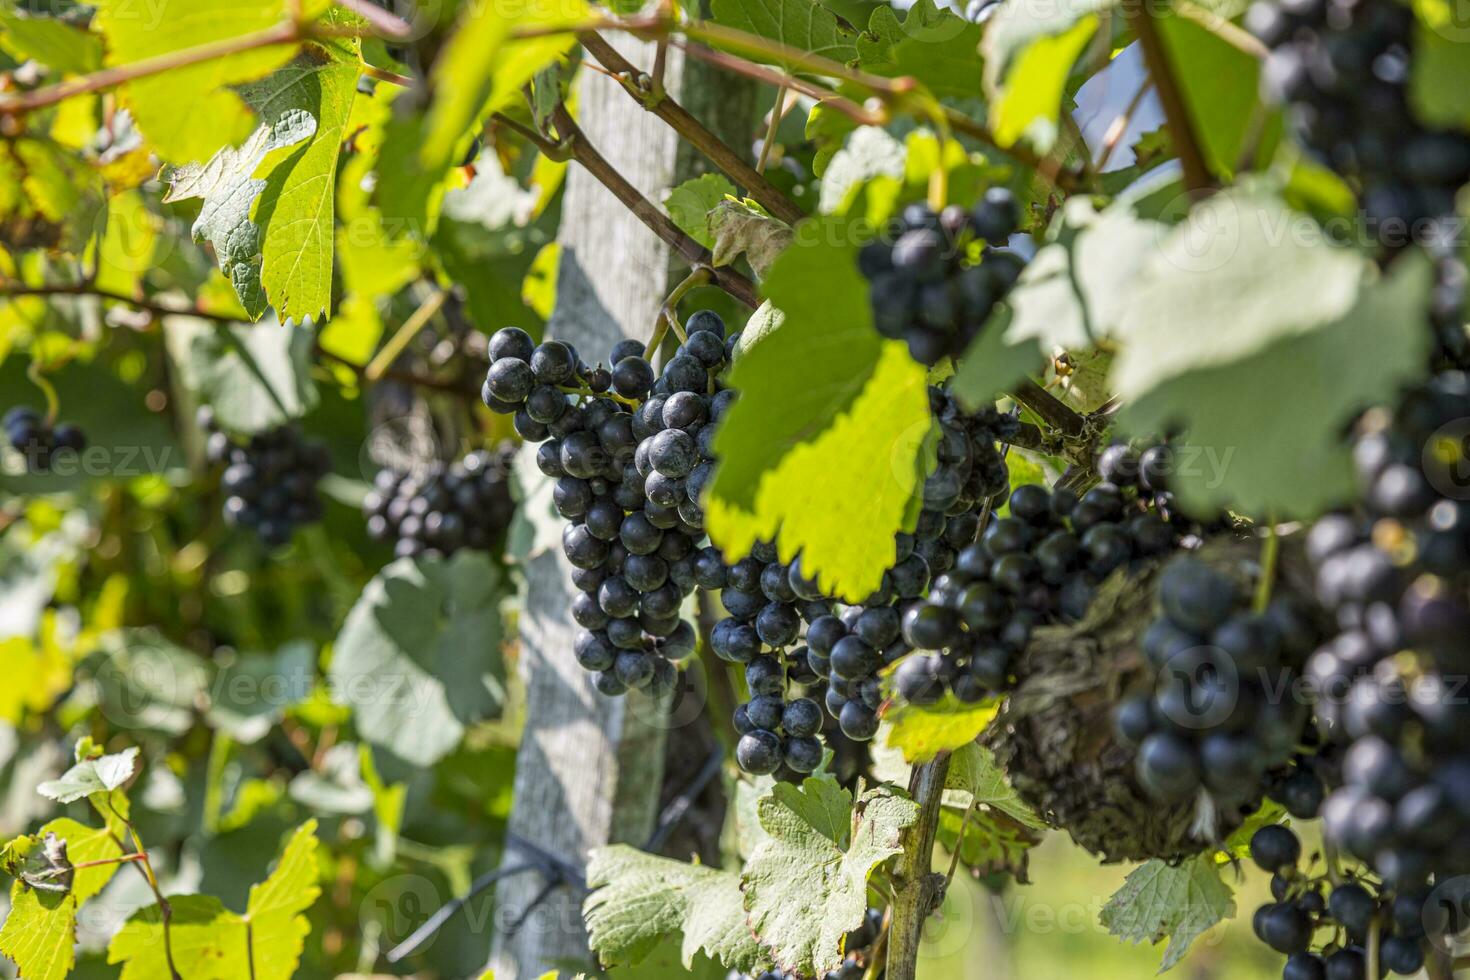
(1176, 902)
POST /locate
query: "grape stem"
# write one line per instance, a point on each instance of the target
(668, 314)
(1374, 929)
(1270, 551)
(917, 891)
(404, 335)
(53, 404)
(145, 868)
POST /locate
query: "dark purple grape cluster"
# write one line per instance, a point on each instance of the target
(1226, 710)
(1040, 564)
(635, 530)
(1342, 69)
(1329, 925)
(934, 279)
(1391, 684)
(269, 479)
(466, 504)
(773, 607)
(38, 442)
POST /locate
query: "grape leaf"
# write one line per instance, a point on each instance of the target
(250, 693)
(805, 890)
(476, 73)
(976, 777)
(60, 46)
(39, 933)
(638, 900)
(1180, 902)
(101, 774)
(921, 733)
(1029, 101)
(275, 910)
(418, 658)
(690, 203)
(826, 129)
(824, 448)
(211, 942)
(1070, 295)
(1220, 90)
(868, 153)
(295, 205)
(800, 24)
(1241, 325)
(932, 44)
(85, 844)
(189, 112)
(254, 377)
(228, 188)
(992, 842)
(741, 229)
(144, 681)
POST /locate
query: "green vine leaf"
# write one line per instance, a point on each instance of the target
(254, 377)
(806, 883)
(934, 45)
(418, 658)
(639, 900)
(921, 733)
(1238, 326)
(690, 203)
(39, 934)
(974, 772)
(1029, 51)
(1439, 79)
(60, 46)
(742, 229)
(991, 843)
(189, 112)
(1177, 902)
(824, 452)
(101, 774)
(211, 942)
(801, 24)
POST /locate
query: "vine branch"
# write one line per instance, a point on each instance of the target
(916, 889)
(660, 224)
(692, 130)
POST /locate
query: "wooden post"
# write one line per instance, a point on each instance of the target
(589, 769)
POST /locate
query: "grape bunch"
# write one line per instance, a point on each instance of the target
(772, 606)
(269, 480)
(466, 504)
(1342, 68)
(1353, 908)
(38, 441)
(1225, 710)
(934, 279)
(634, 528)
(1041, 564)
(1390, 684)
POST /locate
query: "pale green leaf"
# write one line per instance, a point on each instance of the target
(418, 658)
(992, 843)
(189, 112)
(639, 899)
(1220, 90)
(973, 771)
(1029, 102)
(275, 910)
(1242, 325)
(740, 229)
(1439, 79)
(921, 733)
(934, 45)
(60, 46)
(39, 933)
(690, 203)
(254, 377)
(1178, 902)
(802, 24)
(295, 205)
(804, 891)
(96, 775)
